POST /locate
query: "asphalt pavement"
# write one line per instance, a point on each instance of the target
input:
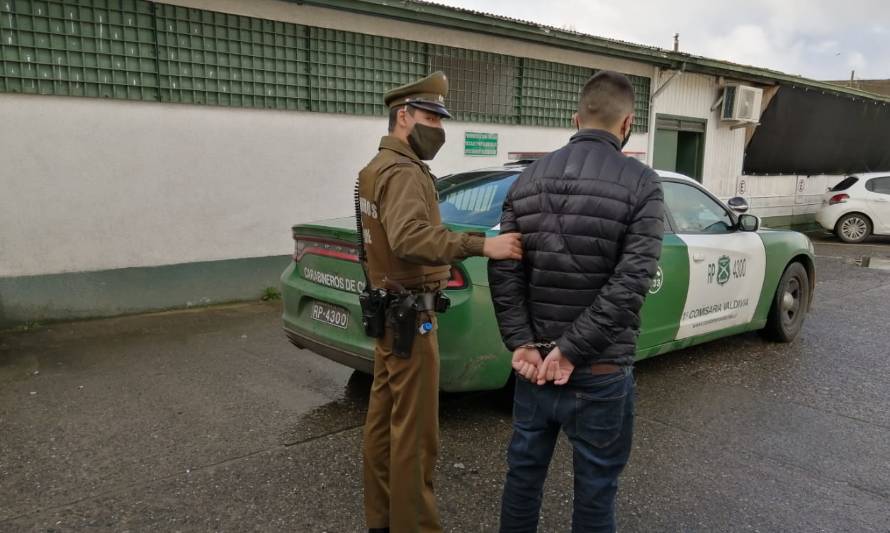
(209, 420)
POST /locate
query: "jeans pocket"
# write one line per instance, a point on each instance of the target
(599, 416)
(524, 401)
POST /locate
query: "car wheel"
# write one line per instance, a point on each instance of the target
(853, 227)
(790, 304)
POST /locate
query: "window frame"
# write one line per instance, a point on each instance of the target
(669, 215)
(855, 180)
(869, 184)
(668, 223)
(494, 174)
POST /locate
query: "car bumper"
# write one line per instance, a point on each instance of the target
(348, 346)
(471, 354)
(827, 216)
(350, 359)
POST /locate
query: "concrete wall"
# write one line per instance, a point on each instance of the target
(112, 206)
(101, 184)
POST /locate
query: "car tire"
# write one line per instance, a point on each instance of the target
(853, 228)
(790, 305)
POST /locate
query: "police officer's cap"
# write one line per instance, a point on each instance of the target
(428, 93)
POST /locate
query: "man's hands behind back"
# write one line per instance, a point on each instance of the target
(526, 362)
(556, 368)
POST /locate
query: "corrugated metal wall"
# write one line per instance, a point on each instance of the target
(692, 95)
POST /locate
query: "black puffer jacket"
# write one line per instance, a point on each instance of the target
(591, 220)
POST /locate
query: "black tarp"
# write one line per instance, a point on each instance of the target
(809, 132)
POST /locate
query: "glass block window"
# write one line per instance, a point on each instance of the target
(550, 92)
(140, 50)
(481, 86)
(220, 59)
(641, 103)
(99, 48)
(350, 71)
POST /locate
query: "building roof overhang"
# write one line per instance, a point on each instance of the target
(434, 14)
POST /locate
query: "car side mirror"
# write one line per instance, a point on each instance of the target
(738, 204)
(748, 223)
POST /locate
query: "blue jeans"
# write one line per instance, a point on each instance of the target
(596, 412)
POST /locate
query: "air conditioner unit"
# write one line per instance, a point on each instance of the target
(741, 103)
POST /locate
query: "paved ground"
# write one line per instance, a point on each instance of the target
(209, 420)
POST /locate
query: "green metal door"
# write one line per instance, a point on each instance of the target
(680, 145)
(690, 153)
(666, 150)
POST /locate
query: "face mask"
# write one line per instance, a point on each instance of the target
(426, 141)
(626, 138)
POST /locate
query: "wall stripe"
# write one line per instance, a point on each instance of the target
(79, 295)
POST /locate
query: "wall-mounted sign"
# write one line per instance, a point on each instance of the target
(484, 144)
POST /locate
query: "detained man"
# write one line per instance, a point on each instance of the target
(591, 221)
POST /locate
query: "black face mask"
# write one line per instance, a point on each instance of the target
(426, 141)
(623, 142)
(626, 138)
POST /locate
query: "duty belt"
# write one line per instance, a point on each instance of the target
(405, 310)
(426, 301)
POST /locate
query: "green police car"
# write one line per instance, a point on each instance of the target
(720, 274)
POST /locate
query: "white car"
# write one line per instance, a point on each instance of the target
(857, 207)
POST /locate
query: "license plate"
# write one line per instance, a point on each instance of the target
(330, 314)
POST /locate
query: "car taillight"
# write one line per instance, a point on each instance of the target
(310, 246)
(457, 280)
(838, 199)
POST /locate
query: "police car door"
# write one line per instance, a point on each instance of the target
(726, 265)
(660, 316)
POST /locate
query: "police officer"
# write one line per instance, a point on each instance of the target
(409, 253)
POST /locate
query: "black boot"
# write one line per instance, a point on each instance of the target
(379, 530)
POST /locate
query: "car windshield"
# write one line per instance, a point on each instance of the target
(846, 184)
(474, 198)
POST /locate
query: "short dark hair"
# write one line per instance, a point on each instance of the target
(606, 98)
(394, 115)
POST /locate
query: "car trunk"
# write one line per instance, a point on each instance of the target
(321, 287)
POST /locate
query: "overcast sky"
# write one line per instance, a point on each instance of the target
(821, 39)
